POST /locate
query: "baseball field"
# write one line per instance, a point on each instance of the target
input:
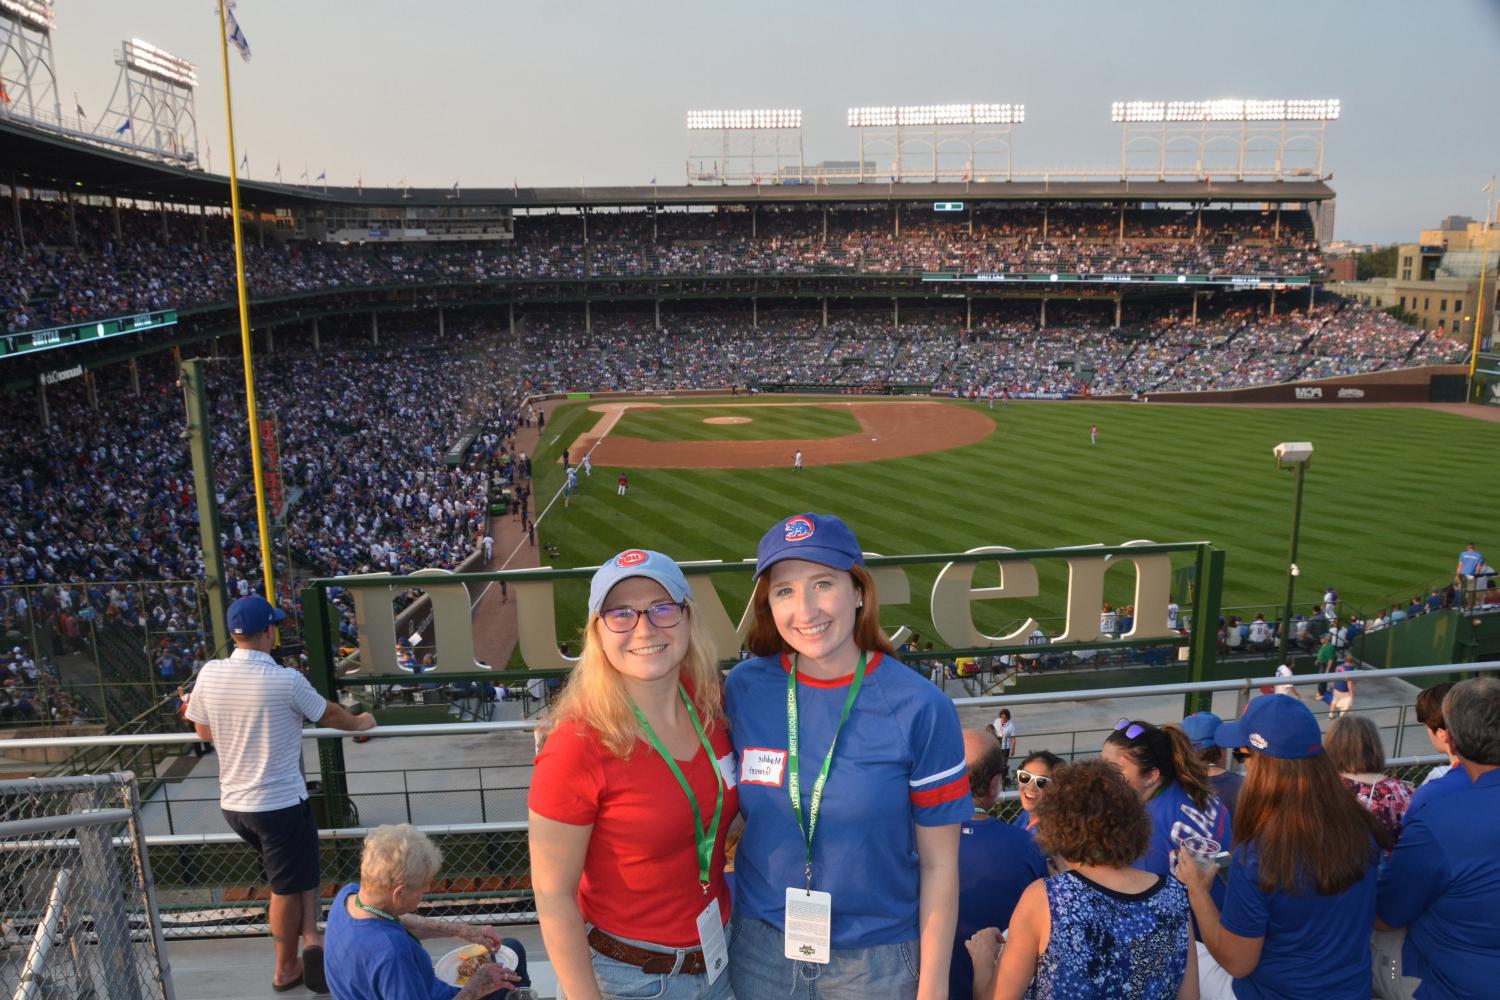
(1392, 494)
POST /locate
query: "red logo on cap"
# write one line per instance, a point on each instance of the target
(798, 529)
(632, 558)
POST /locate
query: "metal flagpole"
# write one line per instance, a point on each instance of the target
(261, 521)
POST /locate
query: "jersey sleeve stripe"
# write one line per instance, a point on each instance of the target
(955, 789)
(955, 769)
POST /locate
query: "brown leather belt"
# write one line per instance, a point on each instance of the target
(652, 962)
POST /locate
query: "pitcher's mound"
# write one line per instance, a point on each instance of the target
(726, 420)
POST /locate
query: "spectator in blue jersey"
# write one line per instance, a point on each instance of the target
(1172, 782)
(1443, 778)
(1467, 572)
(852, 787)
(1100, 929)
(1442, 882)
(1200, 728)
(996, 862)
(1032, 779)
(1301, 884)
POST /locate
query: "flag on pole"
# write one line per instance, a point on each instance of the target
(79, 107)
(359, 184)
(515, 187)
(4, 97)
(236, 36)
(323, 176)
(304, 175)
(278, 170)
(1488, 188)
(124, 127)
(245, 162)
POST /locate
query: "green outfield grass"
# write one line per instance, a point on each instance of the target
(1391, 496)
(767, 423)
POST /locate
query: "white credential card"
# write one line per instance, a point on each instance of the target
(711, 937)
(809, 924)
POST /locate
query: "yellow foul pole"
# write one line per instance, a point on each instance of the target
(261, 520)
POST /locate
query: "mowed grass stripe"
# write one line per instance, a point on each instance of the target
(766, 423)
(1390, 498)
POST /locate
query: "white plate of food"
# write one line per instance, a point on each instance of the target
(458, 965)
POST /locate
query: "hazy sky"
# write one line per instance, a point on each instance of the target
(547, 93)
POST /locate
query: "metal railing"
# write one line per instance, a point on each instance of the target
(78, 912)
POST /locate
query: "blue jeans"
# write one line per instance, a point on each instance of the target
(759, 970)
(619, 981)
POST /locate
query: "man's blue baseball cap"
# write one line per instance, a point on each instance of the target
(819, 538)
(1276, 725)
(1200, 728)
(253, 614)
(637, 562)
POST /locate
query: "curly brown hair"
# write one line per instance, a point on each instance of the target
(1091, 816)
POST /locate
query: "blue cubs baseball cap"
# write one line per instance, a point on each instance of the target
(1200, 728)
(1277, 725)
(819, 538)
(637, 562)
(252, 614)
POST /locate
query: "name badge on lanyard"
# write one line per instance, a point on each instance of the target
(807, 923)
(711, 938)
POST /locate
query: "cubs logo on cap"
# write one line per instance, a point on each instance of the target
(1258, 741)
(638, 563)
(631, 557)
(798, 529)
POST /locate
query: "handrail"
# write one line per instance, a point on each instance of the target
(1088, 694)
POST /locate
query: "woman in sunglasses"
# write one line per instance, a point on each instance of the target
(1160, 764)
(632, 795)
(853, 787)
(1296, 918)
(1032, 779)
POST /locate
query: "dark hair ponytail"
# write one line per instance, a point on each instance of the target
(1168, 750)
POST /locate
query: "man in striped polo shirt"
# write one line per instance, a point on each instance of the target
(252, 709)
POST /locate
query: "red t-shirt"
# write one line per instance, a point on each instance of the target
(640, 876)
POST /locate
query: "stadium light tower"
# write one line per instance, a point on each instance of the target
(153, 108)
(1295, 455)
(969, 133)
(1187, 135)
(26, 71)
(733, 145)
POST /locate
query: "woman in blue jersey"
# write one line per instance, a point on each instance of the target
(1295, 921)
(1032, 779)
(852, 787)
(1170, 778)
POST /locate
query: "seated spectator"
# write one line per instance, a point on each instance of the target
(996, 862)
(1200, 728)
(372, 948)
(1032, 778)
(1260, 637)
(1354, 748)
(1103, 928)
(1301, 890)
(1444, 777)
(1442, 882)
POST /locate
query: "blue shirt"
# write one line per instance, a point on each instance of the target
(376, 959)
(996, 862)
(1456, 780)
(1315, 946)
(1442, 883)
(899, 763)
(1174, 818)
(1468, 562)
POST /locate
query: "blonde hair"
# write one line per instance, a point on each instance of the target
(596, 698)
(398, 854)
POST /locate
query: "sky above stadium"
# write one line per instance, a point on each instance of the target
(551, 94)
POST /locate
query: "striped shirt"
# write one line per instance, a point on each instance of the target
(255, 708)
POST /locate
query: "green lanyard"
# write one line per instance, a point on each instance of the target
(794, 774)
(704, 836)
(376, 911)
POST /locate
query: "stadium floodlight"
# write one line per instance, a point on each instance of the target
(143, 57)
(890, 116)
(1225, 110)
(752, 118)
(37, 13)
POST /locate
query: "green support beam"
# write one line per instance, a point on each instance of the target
(199, 437)
(1207, 598)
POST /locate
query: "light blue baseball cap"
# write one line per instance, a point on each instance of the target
(637, 562)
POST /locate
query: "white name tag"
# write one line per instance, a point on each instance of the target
(711, 938)
(728, 768)
(808, 922)
(759, 766)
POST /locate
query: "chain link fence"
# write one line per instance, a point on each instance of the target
(78, 913)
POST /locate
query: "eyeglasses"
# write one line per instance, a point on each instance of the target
(1241, 754)
(666, 615)
(1027, 778)
(1133, 730)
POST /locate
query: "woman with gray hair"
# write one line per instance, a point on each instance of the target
(1354, 749)
(372, 949)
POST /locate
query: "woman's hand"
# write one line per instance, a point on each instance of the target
(984, 951)
(486, 979)
(478, 934)
(1192, 872)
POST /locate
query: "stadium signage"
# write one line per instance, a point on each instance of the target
(12, 344)
(61, 375)
(1308, 392)
(1099, 278)
(949, 604)
(1351, 394)
(947, 206)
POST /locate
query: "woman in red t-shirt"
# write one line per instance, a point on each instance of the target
(631, 797)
